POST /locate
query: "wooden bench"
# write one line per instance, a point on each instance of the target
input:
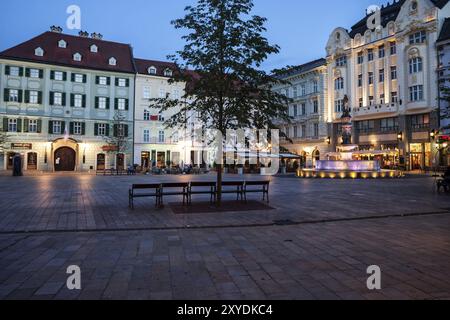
(239, 191)
(147, 194)
(182, 187)
(257, 187)
(193, 189)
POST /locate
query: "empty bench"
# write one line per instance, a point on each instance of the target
(167, 189)
(203, 188)
(257, 187)
(233, 187)
(145, 191)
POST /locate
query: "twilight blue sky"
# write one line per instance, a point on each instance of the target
(300, 27)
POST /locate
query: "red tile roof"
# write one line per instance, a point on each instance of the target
(142, 66)
(54, 55)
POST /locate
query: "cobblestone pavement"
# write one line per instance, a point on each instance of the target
(341, 227)
(83, 202)
(313, 261)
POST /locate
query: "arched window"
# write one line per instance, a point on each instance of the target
(415, 65)
(339, 83)
(152, 70)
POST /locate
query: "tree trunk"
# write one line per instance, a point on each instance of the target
(219, 184)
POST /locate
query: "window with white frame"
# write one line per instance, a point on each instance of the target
(62, 44)
(78, 101)
(34, 73)
(418, 37)
(152, 70)
(393, 73)
(77, 128)
(57, 99)
(13, 95)
(12, 125)
(295, 132)
(14, 71)
(371, 100)
(176, 93)
(381, 75)
(370, 78)
(339, 83)
(370, 54)
(39, 52)
(315, 86)
(94, 48)
(112, 61)
(381, 52)
(316, 130)
(102, 129)
(57, 127)
(338, 105)
(168, 73)
(162, 93)
(360, 58)
(147, 115)
(415, 65)
(393, 48)
(34, 97)
(103, 81)
(416, 93)
(121, 104)
(360, 80)
(122, 82)
(303, 90)
(341, 61)
(316, 106)
(161, 136)
(59, 76)
(78, 78)
(146, 135)
(304, 133)
(394, 97)
(32, 126)
(77, 57)
(146, 92)
(102, 103)
(303, 109)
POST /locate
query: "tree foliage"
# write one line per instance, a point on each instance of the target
(221, 65)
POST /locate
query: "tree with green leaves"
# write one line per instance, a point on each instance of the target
(225, 85)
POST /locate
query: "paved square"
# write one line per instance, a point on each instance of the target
(332, 231)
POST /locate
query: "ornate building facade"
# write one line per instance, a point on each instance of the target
(389, 76)
(59, 96)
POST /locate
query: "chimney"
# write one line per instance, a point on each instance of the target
(56, 29)
(83, 34)
(97, 36)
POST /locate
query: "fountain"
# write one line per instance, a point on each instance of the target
(342, 164)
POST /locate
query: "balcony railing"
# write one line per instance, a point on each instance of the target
(160, 141)
(420, 127)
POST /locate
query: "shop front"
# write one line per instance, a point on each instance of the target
(420, 156)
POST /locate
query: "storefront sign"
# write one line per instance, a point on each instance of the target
(109, 148)
(21, 146)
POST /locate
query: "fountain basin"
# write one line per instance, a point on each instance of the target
(347, 165)
(348, 174)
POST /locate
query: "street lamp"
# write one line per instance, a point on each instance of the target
(433, 134)
(400, 136)
(328, 140)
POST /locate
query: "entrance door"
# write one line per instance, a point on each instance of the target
(65, 159)
(32, 161)
(9, 165)
(161, 160)
(416, 161)
(101, 160)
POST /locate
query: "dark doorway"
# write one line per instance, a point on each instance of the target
(9, 165)
(101, 160)
(65, 159)
(32, 161)
(120, 161)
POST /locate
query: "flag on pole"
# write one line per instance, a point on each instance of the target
(66, 132)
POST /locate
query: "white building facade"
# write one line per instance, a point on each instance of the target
(308, 131)
(59, 95)
(389, 75)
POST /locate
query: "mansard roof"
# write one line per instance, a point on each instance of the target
(304, 68)
(55, 55)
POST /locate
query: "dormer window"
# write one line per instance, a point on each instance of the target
(39, 52)
(94, 48)
(77, 57)
(62, 44)
(168, 73)
(112, 61)
(152, 70)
